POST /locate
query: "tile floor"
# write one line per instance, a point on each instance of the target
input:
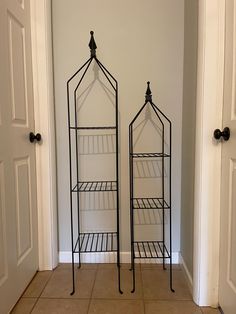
(96, 293)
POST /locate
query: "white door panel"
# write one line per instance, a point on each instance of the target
(23, 209)
(227, 283)
(19, 101)
(3, 238)
(18, 212)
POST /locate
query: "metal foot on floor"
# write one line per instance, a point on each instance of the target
(119, 288)
(72, 292)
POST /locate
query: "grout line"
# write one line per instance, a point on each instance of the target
(170, 300)
(97, 298)
(90, 299)
(34, 305)
(112, 299)
(141, 279)
(60, 298)
(119, 299)
(45, 285)
(42, 291)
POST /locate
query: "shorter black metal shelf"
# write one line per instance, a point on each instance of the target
(155, 246)
(150, 249)
(95, 186)
(93, 128)
(96, 242)
(150, 203)
(149, 155)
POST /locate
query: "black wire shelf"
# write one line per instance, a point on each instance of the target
(149, 203)
(155, 248)
(95, 186)
(93, 128)
(150, 249)
(91, 242)
(149, 155)
(96, 242)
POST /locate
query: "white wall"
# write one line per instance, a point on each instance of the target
(188, 131)
(137, 41)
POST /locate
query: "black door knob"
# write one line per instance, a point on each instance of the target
(36, 137)
(225, 134)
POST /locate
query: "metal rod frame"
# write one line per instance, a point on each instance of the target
(151, 249)
(91, 242)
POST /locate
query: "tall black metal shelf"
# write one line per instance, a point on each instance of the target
(92, 242)
(146, 248)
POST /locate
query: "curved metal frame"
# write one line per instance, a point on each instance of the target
(89, 186)
(156, 249)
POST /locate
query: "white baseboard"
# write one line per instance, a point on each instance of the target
(110, 257)
(187, 273)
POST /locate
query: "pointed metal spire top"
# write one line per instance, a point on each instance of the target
(92, 45)
(148, 95)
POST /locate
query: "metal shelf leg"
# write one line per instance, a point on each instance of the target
(73, 276)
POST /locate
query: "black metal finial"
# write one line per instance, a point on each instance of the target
(148, 93)
(92, 45)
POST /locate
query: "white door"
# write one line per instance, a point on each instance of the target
(227, 283)
(18, 212)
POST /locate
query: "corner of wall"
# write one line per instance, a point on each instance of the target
(187, 273)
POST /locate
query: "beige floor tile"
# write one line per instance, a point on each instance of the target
(128, 266)
(24, 306)
(209, 310)
(159, 266)
(114, 266)
(37, 285)
(61, 306)
(116, 307)
(106, 285)
(107, 266)
(83, 266)
(171, 307)
(156, 285)
(60, 284)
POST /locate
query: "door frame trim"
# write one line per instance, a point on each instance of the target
(211, 26)
(208, 154)
(41, 38)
